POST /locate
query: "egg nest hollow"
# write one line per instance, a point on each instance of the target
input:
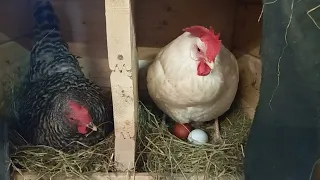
(161, 152)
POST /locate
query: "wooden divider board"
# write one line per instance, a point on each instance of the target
(123, 79)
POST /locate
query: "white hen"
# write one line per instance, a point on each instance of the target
(194, 78)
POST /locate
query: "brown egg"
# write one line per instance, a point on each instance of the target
(182, 130)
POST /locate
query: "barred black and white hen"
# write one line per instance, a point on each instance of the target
(58, 106)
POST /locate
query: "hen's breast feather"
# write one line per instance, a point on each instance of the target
(183, 95)
(176, 87)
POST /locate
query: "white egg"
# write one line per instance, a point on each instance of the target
(198, 137)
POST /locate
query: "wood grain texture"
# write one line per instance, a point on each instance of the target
(247, 30)
(159, 22)
(124, 85)
(15, 21)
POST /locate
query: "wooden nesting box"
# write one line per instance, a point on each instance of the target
(116, 37)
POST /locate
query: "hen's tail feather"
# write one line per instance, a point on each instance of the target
(50, 53)
(46, 22)
(47, 34)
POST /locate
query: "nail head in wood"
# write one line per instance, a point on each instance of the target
(120, 57)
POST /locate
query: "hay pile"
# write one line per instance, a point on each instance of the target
(158, 151)
(161, 152)
(49, 161)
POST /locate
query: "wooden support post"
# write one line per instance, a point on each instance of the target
(124, 67)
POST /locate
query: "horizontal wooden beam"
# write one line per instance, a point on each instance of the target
(120, 176)
(147, 53)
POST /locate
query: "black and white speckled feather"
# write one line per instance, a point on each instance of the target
(50, 53)
(54, 78)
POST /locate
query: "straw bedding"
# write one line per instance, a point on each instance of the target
(158, 151)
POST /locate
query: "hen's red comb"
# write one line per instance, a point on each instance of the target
(200, 31)
(208, 37)
(78, 109)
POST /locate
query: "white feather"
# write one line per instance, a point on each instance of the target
(183, 95)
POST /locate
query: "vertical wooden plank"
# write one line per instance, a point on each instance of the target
(123, 64)
(4, 150)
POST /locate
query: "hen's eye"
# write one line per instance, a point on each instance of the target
(198, 49)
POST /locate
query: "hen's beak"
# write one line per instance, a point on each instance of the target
(92, 126)
(210, 64)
